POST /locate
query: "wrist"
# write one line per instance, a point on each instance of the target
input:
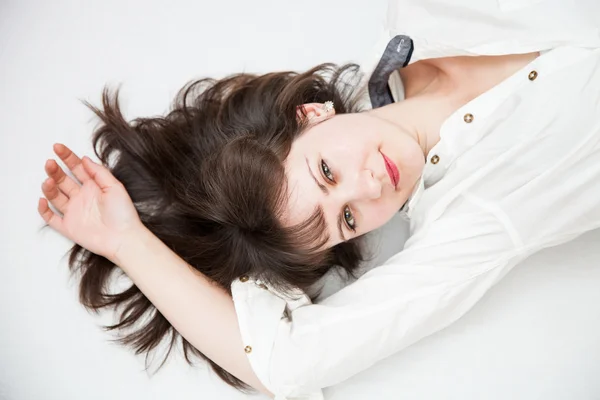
(132, 243)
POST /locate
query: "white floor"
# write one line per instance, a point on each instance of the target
(535, 336)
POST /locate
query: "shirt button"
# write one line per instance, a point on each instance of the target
(244, 278)
(469, 118)
(533, 75)
(248, 349)
(435, 159)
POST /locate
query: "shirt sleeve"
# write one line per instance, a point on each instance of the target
(297, 348)
(511, 26)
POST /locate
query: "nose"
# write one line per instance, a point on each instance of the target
(366, 186)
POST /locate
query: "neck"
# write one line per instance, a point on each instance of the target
(421, 78)
(425, 86)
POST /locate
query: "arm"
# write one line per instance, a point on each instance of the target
(99, 215)
(189, 301)
(437, 278)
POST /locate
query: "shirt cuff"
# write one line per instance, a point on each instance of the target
(260, 310)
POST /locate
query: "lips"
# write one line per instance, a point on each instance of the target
(392, 170)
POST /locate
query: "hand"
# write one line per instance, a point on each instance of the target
(97, 213)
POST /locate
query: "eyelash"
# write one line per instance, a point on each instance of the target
(354, 226)
(328, 175)
(323, 167)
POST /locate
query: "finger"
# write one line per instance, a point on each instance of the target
(71, 161)
(67, 185)
(55, 196)
(55, 221)
(103, 177)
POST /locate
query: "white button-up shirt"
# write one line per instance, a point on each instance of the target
(517, 169)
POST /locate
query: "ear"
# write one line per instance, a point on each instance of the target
(313, 112)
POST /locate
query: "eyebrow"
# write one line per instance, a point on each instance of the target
(319, 184)
(326, 191)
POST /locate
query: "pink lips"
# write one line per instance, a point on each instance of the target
(392, 170)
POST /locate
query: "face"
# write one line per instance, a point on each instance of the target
(359, 168)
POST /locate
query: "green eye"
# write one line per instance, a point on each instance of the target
(327, 172)
(349, 219)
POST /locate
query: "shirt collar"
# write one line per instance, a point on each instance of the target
(416, 194)
(397, 54)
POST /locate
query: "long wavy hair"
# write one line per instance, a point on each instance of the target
(208, 180)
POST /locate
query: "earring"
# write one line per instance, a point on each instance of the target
(328, 106)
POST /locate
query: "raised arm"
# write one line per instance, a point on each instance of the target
(189, 301)
(99, 215)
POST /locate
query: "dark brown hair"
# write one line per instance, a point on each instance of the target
(208, 180)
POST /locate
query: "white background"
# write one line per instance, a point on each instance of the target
(535, 336)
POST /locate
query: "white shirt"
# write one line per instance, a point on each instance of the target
(522, 174)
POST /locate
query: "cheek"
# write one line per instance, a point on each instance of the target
(379, 213)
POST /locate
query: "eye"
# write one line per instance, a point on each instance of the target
(327, 174)
(349, 219)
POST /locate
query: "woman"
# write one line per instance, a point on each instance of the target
(477, 147)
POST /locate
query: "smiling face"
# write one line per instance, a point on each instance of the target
(346, 166)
